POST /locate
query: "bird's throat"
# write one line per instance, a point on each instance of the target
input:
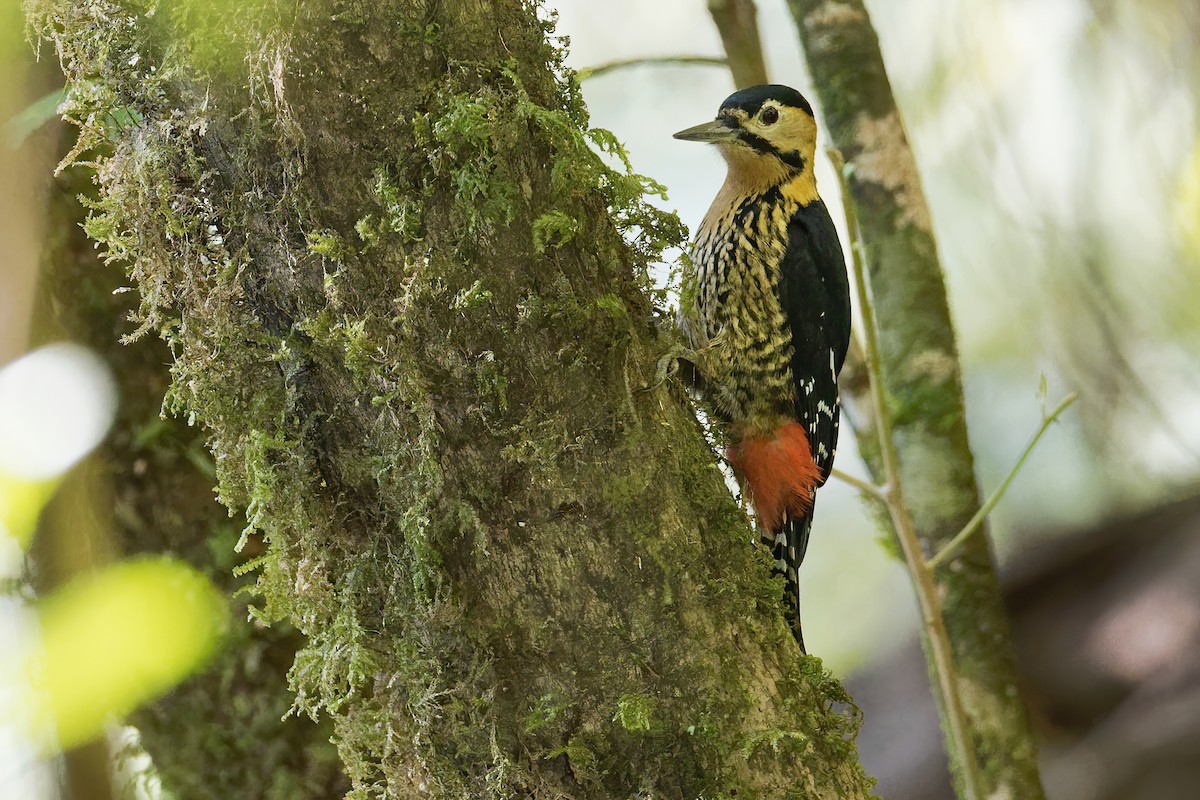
(752, 174)
(747, 179)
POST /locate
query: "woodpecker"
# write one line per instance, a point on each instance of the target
(766, 311)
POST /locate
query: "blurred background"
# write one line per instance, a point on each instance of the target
(1059, 145)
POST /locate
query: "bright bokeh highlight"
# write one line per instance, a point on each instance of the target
(114, 640)
(56, 404)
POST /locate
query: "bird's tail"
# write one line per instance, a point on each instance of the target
(780, 476)
(788, 547)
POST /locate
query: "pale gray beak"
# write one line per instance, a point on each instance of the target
(719, 130)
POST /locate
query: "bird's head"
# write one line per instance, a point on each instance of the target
(764, 130)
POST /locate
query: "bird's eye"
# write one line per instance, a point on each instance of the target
(770, 115)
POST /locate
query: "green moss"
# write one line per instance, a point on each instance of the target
(493, 386)
(579, 756)
(553, 230)
(473, 294)
(634, 712)
(776, 740)
(219, 734)
(326, 243)
(546, 710)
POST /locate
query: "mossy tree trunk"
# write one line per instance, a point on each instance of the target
(409, 307)
(922, 381)
(149, 490)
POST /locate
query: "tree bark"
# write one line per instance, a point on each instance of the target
(737, 23)
(220, 734)
(410, 307)
(922, 379)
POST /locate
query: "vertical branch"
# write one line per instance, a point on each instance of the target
(737, 22)
(21, 165)
(939, 649)
(919, 368)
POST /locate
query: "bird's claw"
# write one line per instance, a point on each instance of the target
(668, 365)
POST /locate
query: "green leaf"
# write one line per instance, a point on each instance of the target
(114, 640)
(21, 501)
(18, 127)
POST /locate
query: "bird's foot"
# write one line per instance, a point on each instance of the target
(669, 364)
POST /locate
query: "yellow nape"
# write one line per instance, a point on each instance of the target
(803, 187)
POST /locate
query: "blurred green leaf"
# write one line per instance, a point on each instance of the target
(116, 639)
(21, 501)
(33, 116)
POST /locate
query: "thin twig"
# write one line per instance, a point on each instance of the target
(952, 547)
(931, 610)
(866, 487)
(652, 61)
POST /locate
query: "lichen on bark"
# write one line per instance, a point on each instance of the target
(409, 304)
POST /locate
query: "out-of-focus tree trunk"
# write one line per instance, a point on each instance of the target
(408, 305)
(150, 490)
(21, 164)
(737, 23)
(922, 381)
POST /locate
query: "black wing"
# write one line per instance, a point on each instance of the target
(814, 293)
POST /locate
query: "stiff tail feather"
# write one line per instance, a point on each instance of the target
(780, 476)
(788, 548)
